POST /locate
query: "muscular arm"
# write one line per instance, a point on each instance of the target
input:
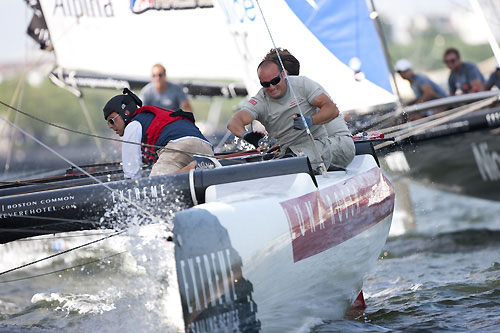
(186, 106)
(427, 93)
(476, 85)
(327, 110)
(238, 122)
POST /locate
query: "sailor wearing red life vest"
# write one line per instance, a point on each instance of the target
(174, 130)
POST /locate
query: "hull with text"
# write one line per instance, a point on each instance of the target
(462, 156)
(259, 254)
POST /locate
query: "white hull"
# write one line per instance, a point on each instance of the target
(277, 252)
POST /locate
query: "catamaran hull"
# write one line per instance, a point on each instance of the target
(107, 205)
(267, 246)
(277, 254)
(461, 157)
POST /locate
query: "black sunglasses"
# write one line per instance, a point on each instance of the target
(274, 81)
(111, 121)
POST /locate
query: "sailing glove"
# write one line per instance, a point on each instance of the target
(253, 137)
(298, 124)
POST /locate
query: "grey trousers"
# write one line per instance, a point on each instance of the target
(336, 151)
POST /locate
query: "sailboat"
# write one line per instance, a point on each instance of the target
(253, 237)
(457, 150)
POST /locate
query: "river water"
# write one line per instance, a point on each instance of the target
(444, 275)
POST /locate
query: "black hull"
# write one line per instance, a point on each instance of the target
(462, 156)
(86, 207)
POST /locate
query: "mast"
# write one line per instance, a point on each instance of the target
(491, 39)
(375, 17)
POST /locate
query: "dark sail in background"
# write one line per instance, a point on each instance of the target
(38, 27)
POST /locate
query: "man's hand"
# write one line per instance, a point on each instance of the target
(253, 137)
(298, 123)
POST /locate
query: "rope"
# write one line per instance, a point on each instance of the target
(51, 237)
(97, 136)
(102, 137)
(18, 91)
(406, 133)
(91, 126)
(426, 119)
(64, 269)
(60, 253)
(315, 149)
(83, 171)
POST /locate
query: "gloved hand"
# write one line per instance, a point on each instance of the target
(298, 124)
(253, 137)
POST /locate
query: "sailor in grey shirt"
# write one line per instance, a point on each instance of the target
(424, 88)
(464, 76)
(159, 92)
(275, 107)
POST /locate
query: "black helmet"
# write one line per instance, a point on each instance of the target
(120, 103)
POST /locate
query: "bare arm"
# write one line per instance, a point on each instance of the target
(238, 122)
(427, 93)
(476, 85)
(327, 110)
(186, 106)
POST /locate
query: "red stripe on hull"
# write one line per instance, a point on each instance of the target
(325, 218)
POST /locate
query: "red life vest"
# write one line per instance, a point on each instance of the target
(162, 118)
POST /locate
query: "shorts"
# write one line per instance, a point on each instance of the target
(170, 161)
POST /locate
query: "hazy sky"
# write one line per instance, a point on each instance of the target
(13, 24)
(16, 45)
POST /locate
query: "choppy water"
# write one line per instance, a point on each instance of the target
(442, 276)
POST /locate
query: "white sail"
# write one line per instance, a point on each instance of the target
(124, 39)
(335, 42)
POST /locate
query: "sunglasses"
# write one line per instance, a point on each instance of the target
(274, 81)
(111, 121)
(158, 75)
(450, 61)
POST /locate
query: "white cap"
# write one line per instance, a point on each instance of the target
(402, 65)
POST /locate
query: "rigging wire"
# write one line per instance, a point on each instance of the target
(153, 217)
(61, 253)
(63, 269)
(52, 237)
(10, 135)
(95, 135)
(408, 132)
(71, 235)
(58, 219)
(308, 131)
(49, 186)
(102, 137)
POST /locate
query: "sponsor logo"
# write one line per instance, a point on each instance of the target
(27, 208)
(493, 119)
(488, 162)
(212, 280)
(83, 8)
(140, 6)
(293, 103)
(154, 192)
(104, 8)
(322, 219)
(215, 296)
(252, 101)
(239, 11)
